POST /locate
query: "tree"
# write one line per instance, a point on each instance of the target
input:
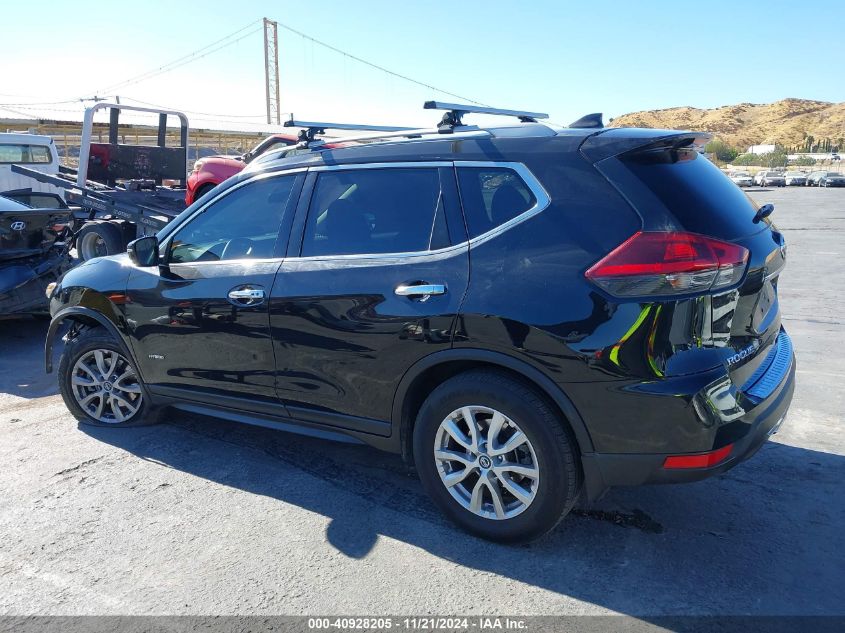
(721, 150)
(804, 161)
(746, 159)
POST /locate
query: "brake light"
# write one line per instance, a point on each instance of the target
(668, 263)
(702, 460)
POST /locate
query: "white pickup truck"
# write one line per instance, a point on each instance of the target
(31, 150)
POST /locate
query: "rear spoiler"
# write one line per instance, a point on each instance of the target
(614, 141)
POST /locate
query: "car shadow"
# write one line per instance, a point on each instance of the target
(763, 538)
(22, 358)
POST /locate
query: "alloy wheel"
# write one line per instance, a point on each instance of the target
(106, 387)
(486, 462)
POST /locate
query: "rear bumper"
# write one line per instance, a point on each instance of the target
(23, 285)
(604, 470)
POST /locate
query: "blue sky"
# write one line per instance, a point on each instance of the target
(565, 58)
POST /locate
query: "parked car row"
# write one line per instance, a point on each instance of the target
(788, 179)
(825, 179)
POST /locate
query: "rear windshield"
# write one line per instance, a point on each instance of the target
(696, 192)
(24, 154)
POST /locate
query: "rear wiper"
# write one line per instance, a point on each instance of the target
(763, 212)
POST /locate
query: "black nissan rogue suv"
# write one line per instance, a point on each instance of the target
(527, 314)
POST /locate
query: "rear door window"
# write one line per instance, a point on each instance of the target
(492, 196)
(372, 211)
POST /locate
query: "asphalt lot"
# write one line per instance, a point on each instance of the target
(199, 516)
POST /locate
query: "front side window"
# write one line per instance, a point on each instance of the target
(371, 211)
(24, 154)
(491, 196)
(243, 224)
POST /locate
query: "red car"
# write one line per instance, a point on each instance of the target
(210, 172)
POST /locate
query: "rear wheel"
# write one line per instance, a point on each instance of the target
(99, 238)
(99, 384)
(495, 457)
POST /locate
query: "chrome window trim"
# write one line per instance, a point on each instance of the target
(541, 196)
(542, 199)
(263, 176)
(242, 261)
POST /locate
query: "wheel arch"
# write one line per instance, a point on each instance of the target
(432, 370)
(85, 316)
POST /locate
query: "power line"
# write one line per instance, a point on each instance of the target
(41, 103)
(37, 110)
(225, 42)
(185, 59)
(376, 66)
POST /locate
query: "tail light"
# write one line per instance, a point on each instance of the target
(669, 263)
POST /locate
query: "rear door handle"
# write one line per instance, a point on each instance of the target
(421, 291)
(246, 296)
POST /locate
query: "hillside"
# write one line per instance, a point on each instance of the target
(786, 122)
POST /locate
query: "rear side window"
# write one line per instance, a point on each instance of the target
(371, 211)
(24, 154)
(696, 192)
(243, 224)
(492, 196)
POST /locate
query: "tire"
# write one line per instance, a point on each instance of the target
(83, 349)
(550, 451)
(204, 190)
(99, 238)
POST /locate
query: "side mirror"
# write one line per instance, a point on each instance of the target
(144, 251)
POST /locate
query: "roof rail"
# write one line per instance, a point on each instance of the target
(455, 112)
(310, 129)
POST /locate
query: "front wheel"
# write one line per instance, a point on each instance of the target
(495, 458)
(99, 384)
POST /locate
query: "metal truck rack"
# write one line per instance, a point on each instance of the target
(118, 188)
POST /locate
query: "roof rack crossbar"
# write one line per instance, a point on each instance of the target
(455, 112)
(310, 129)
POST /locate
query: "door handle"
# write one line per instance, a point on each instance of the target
(423, 291)
(246, 296)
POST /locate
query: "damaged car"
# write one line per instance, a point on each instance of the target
(34, 251)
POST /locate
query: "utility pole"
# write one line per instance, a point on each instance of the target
(271, 71)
